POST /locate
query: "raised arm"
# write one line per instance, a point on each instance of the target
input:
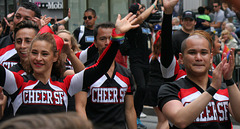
(168, 61)
(76, 63)
(146, 13)
(167, 54)
(65, 20)
(94, 72)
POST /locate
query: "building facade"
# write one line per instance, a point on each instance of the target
(107, 10)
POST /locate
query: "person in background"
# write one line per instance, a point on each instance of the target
(176, 24)
(227, 39)
(202, 18)
(84, 33)
(219, 18)
(231, 28)
(188, 26)
(140, 44)
(208, 11)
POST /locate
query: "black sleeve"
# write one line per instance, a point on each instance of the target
(166, 35)
(2, 75)
(94, 72)
(166, 93)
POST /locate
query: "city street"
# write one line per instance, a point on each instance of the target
(151, 120)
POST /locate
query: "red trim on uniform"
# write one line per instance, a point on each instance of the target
(61, 85)
(19, 79)
(125, 79)
(21, 72)
(180, 74)
(223, 92)
(7, 48)
(26, 84)
(67, 81)
(186, 92)
(78, 54)
(102, 55)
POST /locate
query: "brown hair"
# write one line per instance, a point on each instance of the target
(58, 67)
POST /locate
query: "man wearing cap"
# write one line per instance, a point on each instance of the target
(188, 25)
(139, 40)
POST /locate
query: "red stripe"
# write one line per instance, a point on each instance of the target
(125, 79)
(102, 55)
(7, 48)
(186, 92)
(223, 92)
(59, 84)
(20, 72)
(78, 54)
(25, 84)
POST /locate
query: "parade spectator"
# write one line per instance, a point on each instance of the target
(188, 26)
(227, 39)
(228, 13)
(176, 24)
(84, 33)
(219, 17)
(208, 11)
(231, 28)
(202, 18)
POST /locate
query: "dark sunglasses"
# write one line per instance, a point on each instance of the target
(215, 6)
(87, 17)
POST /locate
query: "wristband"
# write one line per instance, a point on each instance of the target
(229, 82)
(154, 6)
(117, 37)
(211, 90)
(66, 19)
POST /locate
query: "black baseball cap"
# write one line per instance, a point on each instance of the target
(189, 14)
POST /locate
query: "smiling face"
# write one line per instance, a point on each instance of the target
(42, 57)
(188, 24)
(23, 41)
(196, 56)
(23, 14)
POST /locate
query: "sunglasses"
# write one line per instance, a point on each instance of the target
(87, 17)
(215, 6)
